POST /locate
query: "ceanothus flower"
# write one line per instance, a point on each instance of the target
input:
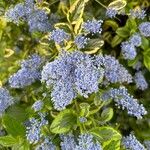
(130, 142)
(81, 41)
(86, 142)
(136, 39)
(144, 28)
(82, 119)
(147, 143)
(46, 145)
(71, 74)
(128, 50)
(28, 73)
(125, 100)
(111, 12)
(38, 105)
(114, 71)
(137, 66)
(140, 81)
(68, 142)
(33, 131)
(16, 14)
(38, 21)
(59, 36)
(138, 13)
(5, 100)
(93, 26)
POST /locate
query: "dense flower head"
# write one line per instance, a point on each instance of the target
(138, 13)
(37, 19)
(33, 131)
(81, 41)
(140, 81)
(67, 142)
(128, 50)
(114, 71)
(125, 100)
(86, 142)
(144, 28)
(111, 12)
(16, 14)
(59, 36)
(93, 26)
(46, 145)
(28, 73)
(130, 142)
(38, 105)
(5, 100)
(135, 39)
(71, 74)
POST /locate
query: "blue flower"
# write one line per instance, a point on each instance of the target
(111, 12)
(138, 13)
(114, 71)
(81, 41)
(28, 73)
(125, 100)
(128, 50)
(59, 36)
(5, 100)
(38, 105)
(86, 142)
(140, 81)
(135, 39)
(33, 131)
(93, 26)
(130, 142)
(46, 145)
(144, 28)
(67, 142)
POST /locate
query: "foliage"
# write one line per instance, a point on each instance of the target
(74, 74)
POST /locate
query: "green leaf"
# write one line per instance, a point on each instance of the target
(107, 114)
(13, 126)
(76, 11)
(64, 121)
(64, 26)
(117, 4)
(77, 28)
(106, 135)
(146, 54)
(145, 43)
(123, 32)
(111, 23)
(131, 25)
(8, 141)
(116, 40)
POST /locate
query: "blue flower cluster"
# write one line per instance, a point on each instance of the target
(128, 48)
(138, 13)
(86, 142)
(140, 81)
(71, 74)
(144, 28)
(111, 12)
(59, 36)
(82, 119)
(93, 26)
(114, 71)
(130, 142)
(5, 100)
(81, 41)
(38, 105)
(37, 19)
(67, 142)
(28, 73)
(125, 100)
(33, 131)
(46, 145)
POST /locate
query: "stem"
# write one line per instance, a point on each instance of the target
(101, 4)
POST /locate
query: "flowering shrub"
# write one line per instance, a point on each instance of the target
(74, 75)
